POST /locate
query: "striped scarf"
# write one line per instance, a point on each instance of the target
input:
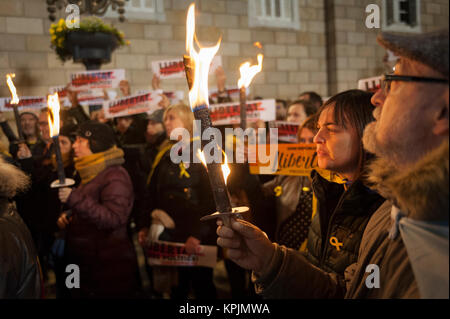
(90, 166)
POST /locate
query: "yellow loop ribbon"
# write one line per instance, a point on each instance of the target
(335, 242)
(278, 191)
(183, 171)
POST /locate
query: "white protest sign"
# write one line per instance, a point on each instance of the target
(164, 253)
(370, 84)
(230, 113)
(97, 79)
(31, 103)
(62, 94)
(174, 68)
(287, 131)
(133, 104)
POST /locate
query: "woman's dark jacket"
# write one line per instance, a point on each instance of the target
(184, 199)
(341, 218)
(97, 239)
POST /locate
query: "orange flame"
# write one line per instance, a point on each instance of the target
(12, 88)
(225, 168)
(258, 44)
(248, 72)
(198, 95)
(53, 114)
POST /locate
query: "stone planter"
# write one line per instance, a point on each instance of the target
(91, 48)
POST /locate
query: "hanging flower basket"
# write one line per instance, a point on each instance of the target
(91, 44)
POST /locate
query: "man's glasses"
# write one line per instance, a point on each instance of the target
(387, 79)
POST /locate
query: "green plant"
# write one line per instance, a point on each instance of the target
(60, 30)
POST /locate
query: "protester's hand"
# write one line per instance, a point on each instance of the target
(192, 245)
(63, 221)
(248, 246)
(64, 194)
(165, 102)
(142, 236)
(23, 152)
(156, 82)
(220, 78)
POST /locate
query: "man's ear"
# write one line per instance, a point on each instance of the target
(441, 126)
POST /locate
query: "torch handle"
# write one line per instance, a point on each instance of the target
(19, 126)
(61, 174)
(215, 175)
(243, 107)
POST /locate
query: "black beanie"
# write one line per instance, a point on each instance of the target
(69, 130)
(101, 136)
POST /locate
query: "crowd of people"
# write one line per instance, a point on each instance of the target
(384, 203)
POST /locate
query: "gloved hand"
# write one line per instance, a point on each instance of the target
(248, 246)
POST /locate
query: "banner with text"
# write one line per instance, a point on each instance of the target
(97, 79)
(230, 113)
(370, 84)
(31, 103)
(291, 159)
(133, 104)
(174, 68)
(164, 253)
(287, 131)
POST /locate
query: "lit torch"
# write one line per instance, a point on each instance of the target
(247, 74)
(14, 101)
(54, 124)
(197, 68)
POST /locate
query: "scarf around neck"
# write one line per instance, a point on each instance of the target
(90, 166)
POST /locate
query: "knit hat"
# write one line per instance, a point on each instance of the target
(157, 116)
(429, 48)
(69, 130)
(101, 136)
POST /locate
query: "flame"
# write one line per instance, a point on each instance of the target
(53, 114)
(258, 44)
(201, 156)
(225, 168)
(198, 95)
(12, 88)
(248, 72)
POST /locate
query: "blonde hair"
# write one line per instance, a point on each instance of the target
(185, 114)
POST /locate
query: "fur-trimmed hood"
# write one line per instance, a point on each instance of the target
(421, 191)
(12, 180)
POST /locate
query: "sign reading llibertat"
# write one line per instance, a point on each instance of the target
(290, 159)
(229, 113)
(25, 103)
(174, 68)
(287, 131)
(164, 253)
(97, 79)
(133, 104)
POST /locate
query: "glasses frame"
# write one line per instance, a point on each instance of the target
(386, 80)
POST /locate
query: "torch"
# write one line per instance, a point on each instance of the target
(197, 68)
(14, 102)
(247, 74)
(54, 123)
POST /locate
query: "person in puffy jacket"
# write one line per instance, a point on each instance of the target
(97, 239)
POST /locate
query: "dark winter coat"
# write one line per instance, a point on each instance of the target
(421, 192)
(97, 239)
(186, 200)
(341, 218)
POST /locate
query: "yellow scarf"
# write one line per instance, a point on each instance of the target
(90, 166)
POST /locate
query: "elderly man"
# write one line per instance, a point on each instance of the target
(404, 249)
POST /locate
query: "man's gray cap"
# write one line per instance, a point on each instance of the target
(429, 48)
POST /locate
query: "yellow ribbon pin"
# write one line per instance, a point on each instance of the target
(183, 171)
(278, 191)
(335, 242)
